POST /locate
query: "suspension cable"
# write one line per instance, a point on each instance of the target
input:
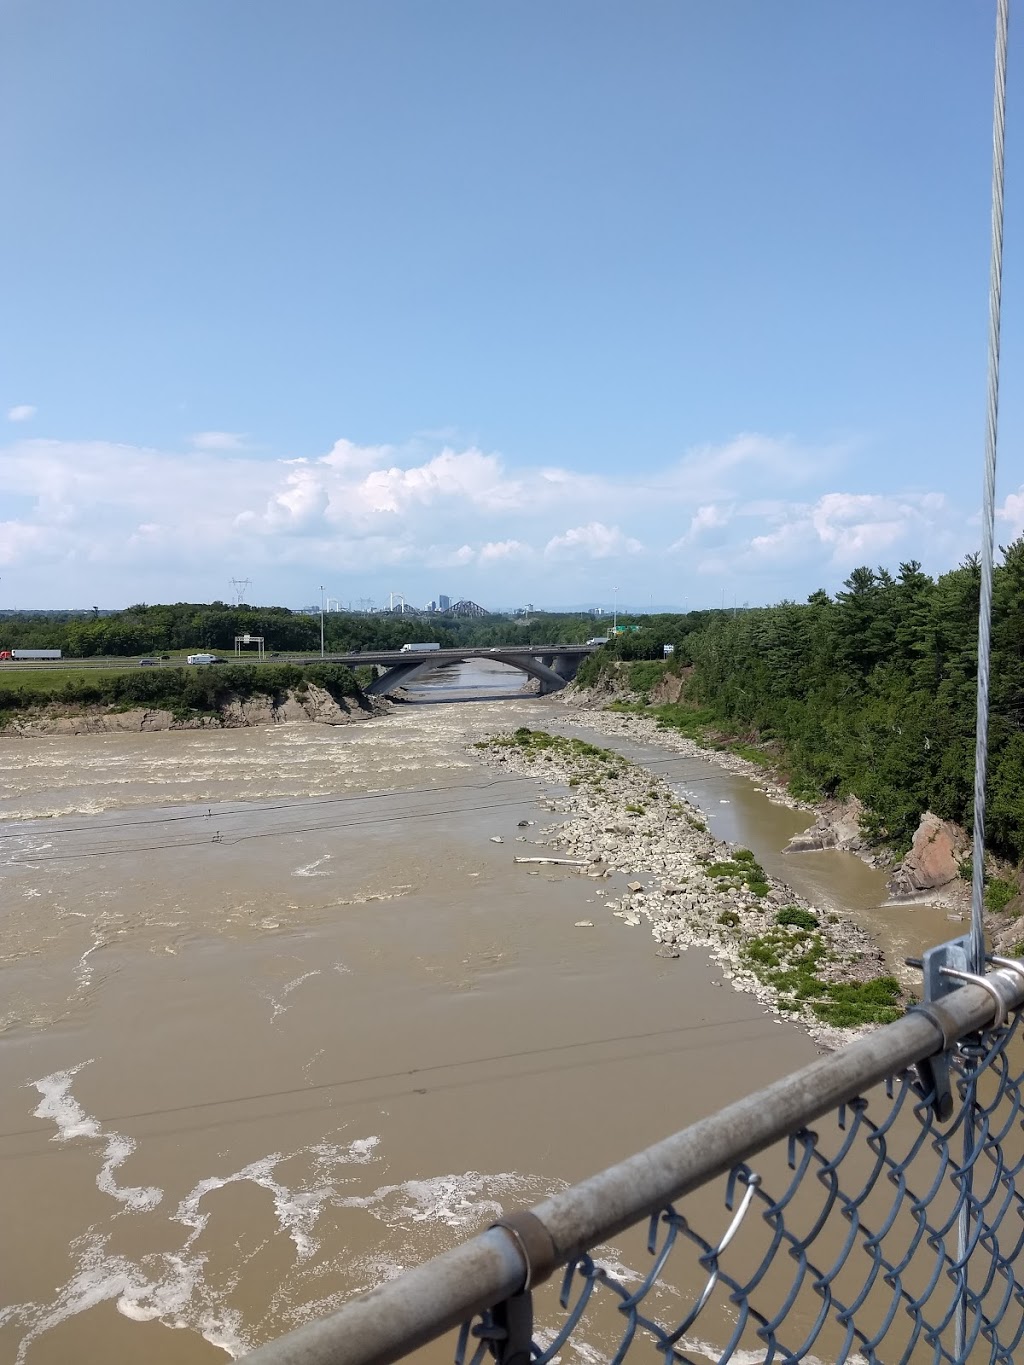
(989, 496)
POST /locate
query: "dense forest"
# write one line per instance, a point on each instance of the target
(871, 692)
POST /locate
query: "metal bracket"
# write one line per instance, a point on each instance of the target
(943, 968)
(508, 1330)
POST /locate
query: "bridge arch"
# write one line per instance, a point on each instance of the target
(552, 676)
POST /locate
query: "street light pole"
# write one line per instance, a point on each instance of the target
(321, 620)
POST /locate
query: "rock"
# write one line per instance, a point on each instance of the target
(812, 840)
(634, 886)
(497, 839)
(667, 950)
(525, 824)
(584, 924)
(934, 857)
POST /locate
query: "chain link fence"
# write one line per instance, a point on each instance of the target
(882, 1220)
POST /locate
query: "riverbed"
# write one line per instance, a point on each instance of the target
(280, 1017)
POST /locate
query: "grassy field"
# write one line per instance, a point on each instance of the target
(44, 682)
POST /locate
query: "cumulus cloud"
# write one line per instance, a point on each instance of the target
(91, 513)
(853, 528)
(593, 541)
(706, 525)
(501, 551)
(1012, 513)
(21, 412)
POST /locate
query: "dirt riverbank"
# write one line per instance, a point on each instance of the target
(310, 705)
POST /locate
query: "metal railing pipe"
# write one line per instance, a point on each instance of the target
(433, 1298)
(421, 1304)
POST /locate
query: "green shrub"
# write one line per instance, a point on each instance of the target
(796, 917)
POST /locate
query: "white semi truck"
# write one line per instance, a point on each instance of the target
(29, 653)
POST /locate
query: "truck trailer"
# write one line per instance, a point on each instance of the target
(29, 653)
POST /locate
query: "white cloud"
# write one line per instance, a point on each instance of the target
(853, 528)
(178, 524)
(501, 551)
(706, 524)
(1012, 513)
(21, 412)
(219, 440)
(593, 541)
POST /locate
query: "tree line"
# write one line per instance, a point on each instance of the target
(871, 692)
(144, 629)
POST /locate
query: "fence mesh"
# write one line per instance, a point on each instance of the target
(882, 1234)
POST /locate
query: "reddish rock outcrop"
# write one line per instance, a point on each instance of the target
(934, 857)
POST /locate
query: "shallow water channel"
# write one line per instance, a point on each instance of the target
(279, 1018)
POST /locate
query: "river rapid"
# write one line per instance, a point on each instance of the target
(280, 1018)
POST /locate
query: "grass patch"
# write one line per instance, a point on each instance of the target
(998, 894)
(789, 958)
(751, 754)
(742, 870)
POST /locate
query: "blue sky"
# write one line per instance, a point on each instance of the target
(514, 301)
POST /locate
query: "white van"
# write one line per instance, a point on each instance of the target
(201, 659)
(418, 649)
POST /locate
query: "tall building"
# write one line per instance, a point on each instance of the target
(443, 602)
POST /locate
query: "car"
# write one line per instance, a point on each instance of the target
(149, 663)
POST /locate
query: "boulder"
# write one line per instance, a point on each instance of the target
(934, 857)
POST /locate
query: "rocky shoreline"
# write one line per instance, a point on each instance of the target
(812, 966)
(928, 875)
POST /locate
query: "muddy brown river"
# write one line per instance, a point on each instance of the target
(279, 1018)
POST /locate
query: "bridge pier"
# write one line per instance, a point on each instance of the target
(566, 666)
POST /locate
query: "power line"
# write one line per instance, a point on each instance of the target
(307, 803)
(34, 860)
(411, 1072)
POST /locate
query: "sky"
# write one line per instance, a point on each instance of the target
(667, 302)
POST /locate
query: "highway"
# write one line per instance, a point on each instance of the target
(386, 658)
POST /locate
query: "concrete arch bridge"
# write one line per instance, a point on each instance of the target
(552, 665)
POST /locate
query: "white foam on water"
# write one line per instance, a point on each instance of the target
(171, 1287)
(456, 1201)
(286, 990)
(59, 1105)
(311, 869)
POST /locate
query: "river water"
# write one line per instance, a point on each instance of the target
(279, 1018)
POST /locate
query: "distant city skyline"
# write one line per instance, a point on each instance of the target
(703, 314)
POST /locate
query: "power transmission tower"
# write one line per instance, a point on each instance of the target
(241, 586)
